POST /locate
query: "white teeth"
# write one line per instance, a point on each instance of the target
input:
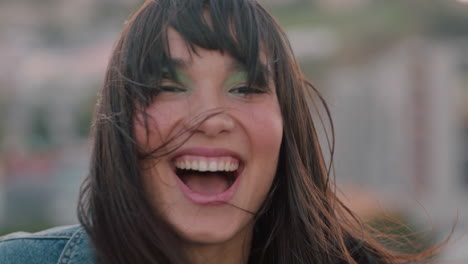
(208, 164)
(202, 166)
(194, 166)
(234, 166)
(213, 166)
(180, 165)
(221, 166)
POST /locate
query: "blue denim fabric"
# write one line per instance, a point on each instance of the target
(58, 245)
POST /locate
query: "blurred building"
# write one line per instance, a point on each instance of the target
(342, 4)
(397, 118)
(54, 54)
(398, 108)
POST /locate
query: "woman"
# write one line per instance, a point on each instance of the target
(205, 151)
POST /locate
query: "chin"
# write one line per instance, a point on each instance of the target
(214, 226)
(207, 236)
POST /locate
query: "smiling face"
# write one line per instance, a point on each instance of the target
(227, 166)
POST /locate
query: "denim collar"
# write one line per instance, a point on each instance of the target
(78, 249)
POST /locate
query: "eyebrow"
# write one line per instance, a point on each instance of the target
(178, 63)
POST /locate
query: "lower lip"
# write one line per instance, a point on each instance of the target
(217, 199)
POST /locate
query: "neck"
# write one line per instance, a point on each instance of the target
(233, 251)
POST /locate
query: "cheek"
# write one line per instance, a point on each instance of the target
(266, 129)
(162, 121)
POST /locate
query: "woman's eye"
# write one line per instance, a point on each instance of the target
(172, 89)
(246, 90)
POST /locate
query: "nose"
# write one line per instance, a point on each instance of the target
(209, 106)
(215, 124)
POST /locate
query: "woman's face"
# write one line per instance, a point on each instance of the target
(226, 167)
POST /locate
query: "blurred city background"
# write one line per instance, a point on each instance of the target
(395, 75)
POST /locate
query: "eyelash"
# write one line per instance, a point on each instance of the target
(242, 90)
(247, 90)
(171, 89)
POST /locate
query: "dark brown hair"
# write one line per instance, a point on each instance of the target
(301, 220)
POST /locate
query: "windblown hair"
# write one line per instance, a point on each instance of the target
(301, 220)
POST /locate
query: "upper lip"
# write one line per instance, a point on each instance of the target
(207, 152)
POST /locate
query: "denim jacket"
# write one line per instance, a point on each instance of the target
(66, 245)
(58, 245)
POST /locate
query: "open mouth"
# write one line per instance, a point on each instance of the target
(208, 176)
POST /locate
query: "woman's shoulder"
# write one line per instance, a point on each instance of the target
(64, 245)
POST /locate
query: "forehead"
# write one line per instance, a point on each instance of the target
(178, 48)
(182, 55)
